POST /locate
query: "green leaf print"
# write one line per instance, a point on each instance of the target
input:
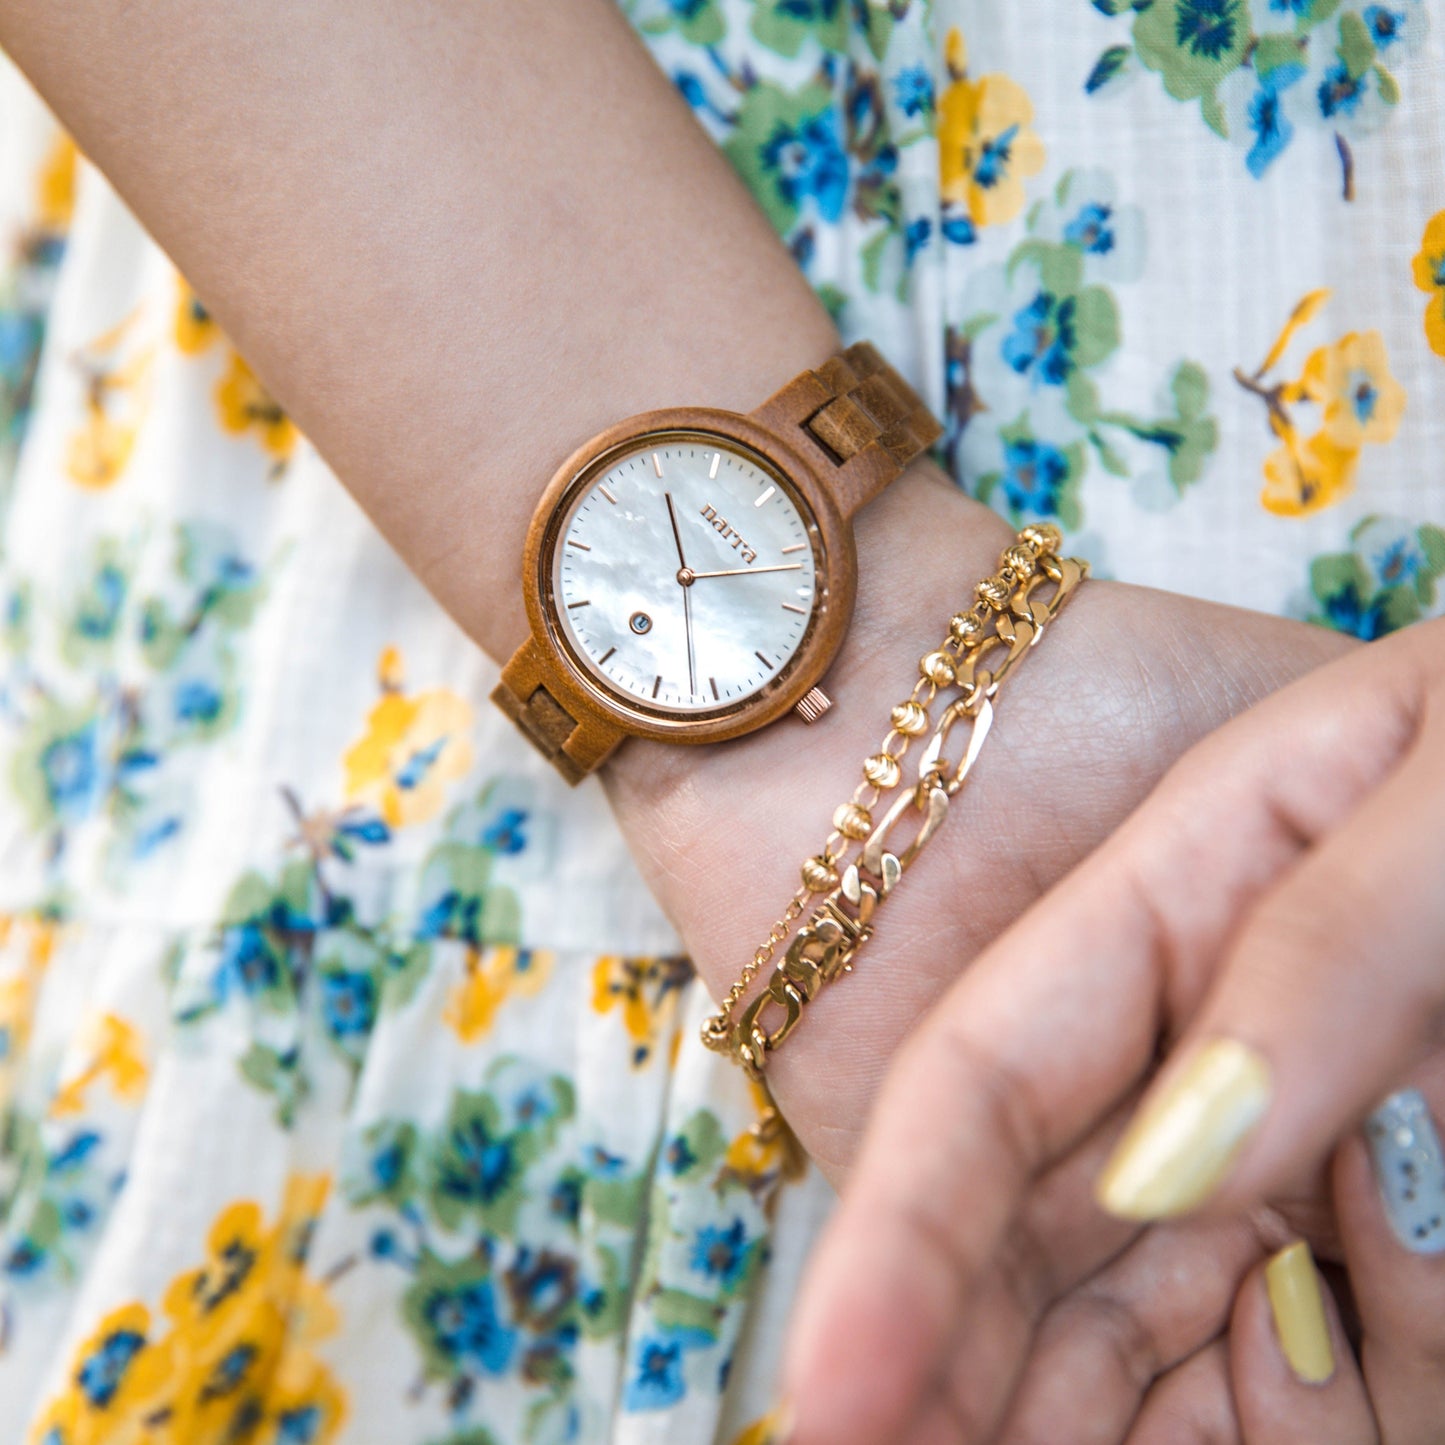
(699, 22)
(767, 141)
(1097, 320)
(677, 1309)
(1357, 50)
(1194, 44)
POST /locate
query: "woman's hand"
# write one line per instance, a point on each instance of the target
(1280, 891)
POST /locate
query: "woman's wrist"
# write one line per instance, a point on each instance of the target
(1125, 681)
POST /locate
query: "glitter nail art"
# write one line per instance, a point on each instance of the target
(1411, 1170)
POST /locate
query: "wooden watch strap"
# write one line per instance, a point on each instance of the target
(860, 414)
(574, 746)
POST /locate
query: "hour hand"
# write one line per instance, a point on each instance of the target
(676, 535)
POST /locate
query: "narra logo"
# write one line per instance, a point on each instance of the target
(720, 526)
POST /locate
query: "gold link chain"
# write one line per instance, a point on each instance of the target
(985, 643)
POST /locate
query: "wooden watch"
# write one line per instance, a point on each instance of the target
(690, 573)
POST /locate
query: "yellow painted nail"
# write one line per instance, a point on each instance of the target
(1177, 1149)
(1298, 1307)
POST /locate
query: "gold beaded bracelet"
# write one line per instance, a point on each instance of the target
(983, 646)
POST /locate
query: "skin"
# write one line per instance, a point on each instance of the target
(1315, 937)
(443, 399)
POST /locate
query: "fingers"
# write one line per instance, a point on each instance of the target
(1389, 1193)
(1055, 1024)
(1166, 1298)
(1192, 1405)
(1296, 1381)
(1336, 981)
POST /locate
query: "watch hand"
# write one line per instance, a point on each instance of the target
(676, 535)
(749, 571)
(687, 618)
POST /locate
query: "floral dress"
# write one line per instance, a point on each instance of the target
(350, 1082)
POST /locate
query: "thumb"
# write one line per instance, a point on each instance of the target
(1332, 989)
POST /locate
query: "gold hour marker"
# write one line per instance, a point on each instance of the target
(716, 461)
(715, 696)
(798, 548)
(607, 494)
(801, 611)
(657, 466)
(656, 683)
(763, 660)
(586, 602)
(765, 496)
(580, 546)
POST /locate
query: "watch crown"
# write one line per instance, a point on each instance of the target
(812, 705)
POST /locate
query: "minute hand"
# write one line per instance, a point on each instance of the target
(751, 571)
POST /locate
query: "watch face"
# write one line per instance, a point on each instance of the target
(684, 574)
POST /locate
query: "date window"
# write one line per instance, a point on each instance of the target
(640, 623)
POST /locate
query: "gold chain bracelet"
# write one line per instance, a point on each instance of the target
(983, 646)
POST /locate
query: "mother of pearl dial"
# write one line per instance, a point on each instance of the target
(684, 534)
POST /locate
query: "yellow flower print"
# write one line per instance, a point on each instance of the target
(204, 1304)
(243, 405)
(231, 1361)
(29, 942)
(1356, 398)
(986, 148)
(767, 1148)
(1351, 380)
(414, 747)
(246, 406)
(493, 976)
(1429, 268)
(114, 1050)
(55, 186)
(118, 1377)
(647, 991)
(195, 328)
(766, 1431)
(117, 390)
(1304, 476)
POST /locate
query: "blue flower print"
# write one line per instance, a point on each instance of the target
(993, 159)
(1034, 474)
(103, 1370)
(75, 779)
(1042, 340)
(1092, 229)
(913, 90)
(916, 237)
(299, 1426)
(721, 1254)
(1385, 25)
(809, 162)
(506, 834)
(656, 1379)
(348, 1003)
(1267, 121)
(465, 1326)
(100, 607)
(247, 964)
(197, 701)
(1206, 27)
(1339, 93)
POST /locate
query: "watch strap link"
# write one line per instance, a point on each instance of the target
(574, 746)
(864, 418)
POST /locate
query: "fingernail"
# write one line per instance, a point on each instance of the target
(1176, 1150)
(1410, 1169)
(1298, 1307)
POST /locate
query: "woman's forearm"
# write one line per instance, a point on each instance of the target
(456, 238)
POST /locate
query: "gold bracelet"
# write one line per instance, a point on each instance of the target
(1008, 618)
